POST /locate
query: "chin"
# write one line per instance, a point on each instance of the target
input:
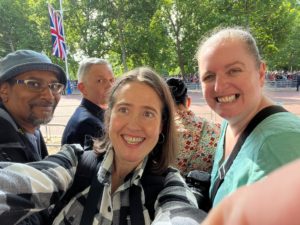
(134, 161)
(41, 121)
(226, 115)
(103, 106)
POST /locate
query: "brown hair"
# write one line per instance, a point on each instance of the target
(165, 150)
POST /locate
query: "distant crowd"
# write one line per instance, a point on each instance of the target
(282, 75)
(188, 78)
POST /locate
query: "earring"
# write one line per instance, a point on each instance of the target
(161, 138)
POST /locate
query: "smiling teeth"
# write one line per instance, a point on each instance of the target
(133, 140)
(226, 99)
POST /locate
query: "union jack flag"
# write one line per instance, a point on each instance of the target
(57, 33)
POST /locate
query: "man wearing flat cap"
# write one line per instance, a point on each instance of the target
(30, 89)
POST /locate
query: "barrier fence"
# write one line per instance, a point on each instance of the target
(268, 83)
(52, 134)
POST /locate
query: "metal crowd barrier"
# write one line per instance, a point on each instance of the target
(268, 83)
(281, 84)
(52, 133)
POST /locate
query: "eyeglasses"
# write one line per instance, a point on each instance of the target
(105, 81)
(39, 86)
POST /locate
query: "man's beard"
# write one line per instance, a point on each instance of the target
(37, 121)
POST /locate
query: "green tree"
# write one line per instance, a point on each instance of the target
(131, 26)
(17, 29)
(163, 34)
(186, 22)
(288, 55)
(270, 21)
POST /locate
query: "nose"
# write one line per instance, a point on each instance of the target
(134, 122)
(47, 93)
(220, 83)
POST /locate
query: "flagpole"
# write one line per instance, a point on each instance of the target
(68, 88)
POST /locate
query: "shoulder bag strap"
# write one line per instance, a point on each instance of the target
(260, 116)
(87, 169)
(136, 206)
(94, 196)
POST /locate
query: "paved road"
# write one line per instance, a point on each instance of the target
(289, 98)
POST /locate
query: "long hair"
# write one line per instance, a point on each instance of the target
(165, 150)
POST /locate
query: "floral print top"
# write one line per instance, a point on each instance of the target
(197, 140)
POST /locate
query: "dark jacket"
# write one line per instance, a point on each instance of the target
(15, 147)
(85, 123)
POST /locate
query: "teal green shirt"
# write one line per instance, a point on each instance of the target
(273, 143)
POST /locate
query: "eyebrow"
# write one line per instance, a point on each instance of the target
(54, 80)
(143, 106)
(226, 66)
(102, 76)
(233, 63)
(151, 108)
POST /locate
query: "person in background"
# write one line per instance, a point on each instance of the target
(256, 204)
(95, 77)
(140, 141)
(197, 137)
(298, 81)
(232, 79)
(30, 89)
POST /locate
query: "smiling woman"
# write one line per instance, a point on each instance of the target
(232, 77)
(141, 104)
(135, 125)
